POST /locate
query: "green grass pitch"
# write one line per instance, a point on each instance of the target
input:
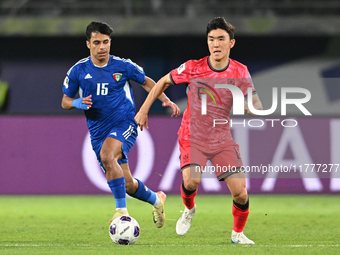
(79, 225)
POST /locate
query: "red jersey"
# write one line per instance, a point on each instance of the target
(201, 78)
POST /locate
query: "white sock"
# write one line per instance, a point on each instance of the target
(158, 201)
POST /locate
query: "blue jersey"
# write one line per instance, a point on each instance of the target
(112, 97)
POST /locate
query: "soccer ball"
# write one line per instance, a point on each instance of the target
(124, 230)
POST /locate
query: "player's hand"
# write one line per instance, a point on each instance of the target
(246, 109)
(84, 103)
(175, 110)
(142, 120)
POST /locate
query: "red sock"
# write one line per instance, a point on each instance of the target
(240, 218)
(189, 201)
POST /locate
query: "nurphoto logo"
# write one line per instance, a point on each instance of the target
(238, 104)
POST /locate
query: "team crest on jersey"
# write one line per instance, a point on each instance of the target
(117, 76)
(231, 81)
(181, 68)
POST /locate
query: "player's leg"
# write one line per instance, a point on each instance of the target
(110, 154)
(191, 174)
(237, 186)
(229, 166)
(137, 189)
(113, 153)
(188, 192)
(191, 180)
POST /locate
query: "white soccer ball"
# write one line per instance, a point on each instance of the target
(124, 230)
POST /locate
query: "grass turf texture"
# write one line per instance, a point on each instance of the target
(79, 225)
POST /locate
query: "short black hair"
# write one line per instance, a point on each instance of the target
(220, 22)
(97, 26)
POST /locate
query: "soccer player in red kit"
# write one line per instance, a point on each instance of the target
(200, 138)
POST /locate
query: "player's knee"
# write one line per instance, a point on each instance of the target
(108, 160)
(241, 197)
(191, 180)
(191, 183)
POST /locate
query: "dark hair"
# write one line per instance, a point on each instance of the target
(96, 26)
(220, 22)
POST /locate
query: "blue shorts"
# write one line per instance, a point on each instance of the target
(126, 132)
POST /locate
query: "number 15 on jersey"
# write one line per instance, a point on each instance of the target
(102, 89)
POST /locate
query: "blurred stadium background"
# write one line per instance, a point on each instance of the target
(284, 43)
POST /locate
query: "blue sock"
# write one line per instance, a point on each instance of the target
(117, 187)
(145, 194)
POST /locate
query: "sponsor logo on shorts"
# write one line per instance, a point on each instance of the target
(185, 158)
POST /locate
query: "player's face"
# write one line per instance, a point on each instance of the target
(99, 46)
(219, 44)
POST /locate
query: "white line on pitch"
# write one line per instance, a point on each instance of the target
(175, 245)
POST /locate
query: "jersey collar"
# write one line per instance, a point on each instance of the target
(217, 70)
(100, 66)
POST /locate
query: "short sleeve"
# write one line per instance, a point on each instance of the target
(246, 83)
(181, 74)
(136, 72)
(71, 85)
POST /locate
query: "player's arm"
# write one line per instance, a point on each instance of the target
(256, 103)
(166, 102)
(84, 103)
(156, 92)
(149, 84)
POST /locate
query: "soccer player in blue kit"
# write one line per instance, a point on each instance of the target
(107, 100)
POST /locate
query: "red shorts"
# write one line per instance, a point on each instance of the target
(225, 161)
